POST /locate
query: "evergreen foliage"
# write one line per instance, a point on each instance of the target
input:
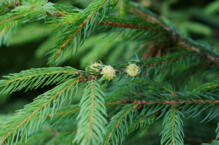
(172, 132)
(152, 73)
(91, 119)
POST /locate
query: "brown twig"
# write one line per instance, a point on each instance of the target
(130, 26)
(187, 46)
(165, 102)
(140, 103)
(174, 37)
(147, 17)
(174, 102)
(79, 28)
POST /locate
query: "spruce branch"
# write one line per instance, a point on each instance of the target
(25, 122)
(128, 25)
(74, 109)
(35, 78)
(172, 133)
(91, 119)
(173, 102)
(166, 102)
(178, 102)
(29, 11)
(118, 125)
(150, 17)
(135, 94)
(130, 118)
(84, 25)
(176, 38)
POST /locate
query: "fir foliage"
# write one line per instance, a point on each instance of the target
(172, 132)
(36, 77)
(92, 116)
(172, 78)
(28, 120)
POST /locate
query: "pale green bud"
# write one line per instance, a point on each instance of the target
(132, 70)
(108, 72)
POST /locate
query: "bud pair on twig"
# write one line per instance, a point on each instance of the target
(109, 72)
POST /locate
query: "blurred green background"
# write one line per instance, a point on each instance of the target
(194, 18)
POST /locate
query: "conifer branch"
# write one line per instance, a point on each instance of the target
(81, 25)
(166, 102)
(35, 78)
(172, 102)
(138, 92)
(175, 37)
(172, 133)
(74, 109)
(147, 17)
(91, 119)
(117, 124)
(27, 12)
(78, 28)
(73, 35)
(25, 119)
(128, 25)
(187, 46)
(177, 102)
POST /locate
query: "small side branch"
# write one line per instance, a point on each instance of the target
(140, 103)
(175, 102)
(147, 17)
(130, 26)
(193, 48)
(174, 37)
(165, 102)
